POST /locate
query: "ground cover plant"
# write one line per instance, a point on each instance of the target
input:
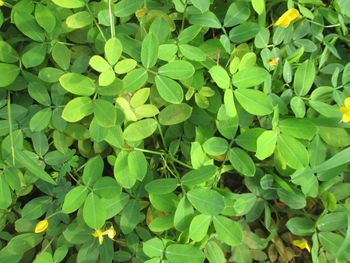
(176, 131)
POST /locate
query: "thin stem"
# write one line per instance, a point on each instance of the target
(182, 163)
(9, 115)
(316, 23)
(58, 212)
(183, 17)
(112, 25)
(96, 23)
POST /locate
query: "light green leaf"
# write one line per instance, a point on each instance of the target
(202, 5)
(27, 24)
(220, 76)
(161, 186)
(77, 109)
(7, 53)
(254, 101)
(140, 130)
(228, 231)
(94, 212)
(93, 170)
(74, 199)
(113, 50)
(244, 32)
(135, 79)
(304, 78)
(79, 20)
(241, 161)
(149, 50)
(99, 64)
(178, 69)
(9, 74)
(266, 144)
(199, 227)
(184, 253)
(237, 13)
(215, 146)
(105, 113)
(77, 84)
(169, 89)
(40, 120)
(249, 77)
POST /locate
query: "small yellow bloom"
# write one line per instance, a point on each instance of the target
(111, 233)
(346, 110)
(289, 16)
(141, 12)
(302, 244)
(273, 62)
(98, 234)
(2, 3)
(41, 226)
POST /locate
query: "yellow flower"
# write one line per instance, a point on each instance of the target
(346, 110)
(141, 12)
(302, 244)
(111, 232)
(289, 16)
(273, 62)
(2, 3)
(98, 234)
(41, 226)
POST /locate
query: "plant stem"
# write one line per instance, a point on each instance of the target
(9, 115)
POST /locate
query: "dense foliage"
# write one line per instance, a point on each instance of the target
(175, 131)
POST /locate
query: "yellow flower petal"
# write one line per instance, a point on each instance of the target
(111, 232)
(343, 109)
(287, 17)
(273, 62)
(2, 3)
(41, 226)
(141, 12)
(100, 240)
(96, 233)
(302, 244)
(346, 117)
(347, 102)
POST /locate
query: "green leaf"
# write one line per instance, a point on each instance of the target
(45, 17)
(9, 74)
(228, 231)
(338, 159)
(74, 199)
(34, 55)
(208, 19)
(113, 50)
(237, 13)
(5, 194)
(105, 113)
(183, 214)
(220, 76)
(140, 130)
(169, 89)
(40, 120)
(188, 34)
(249, 77)
(259, 6)
(135, 79)
(99, 64)
(241, 161)
(174, 114)
(178, 69)
(206, 201)
(254, 101)
(79, 20)
(301, 226)
(62, 55)
(125, 66)
(266, 144)
(153, 247)
(292, 152)
(7, 53)
(199, 227)
(298, 128)
(199, 176)
(149, 50)
(69, 3)
(332, 221)
(126, 8)
(77, 109)
(93, 170)
(244, 203)
(184, 254)
(107, 187)
(36, 207)
(215, 146)
(27, 24)
(23, 158)
(202, 5)
(192, 52)
(304, 78)
(244, 32)
(214, 253)
(77, 84)
(121, 171)
(94, 213)
(161, 186)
